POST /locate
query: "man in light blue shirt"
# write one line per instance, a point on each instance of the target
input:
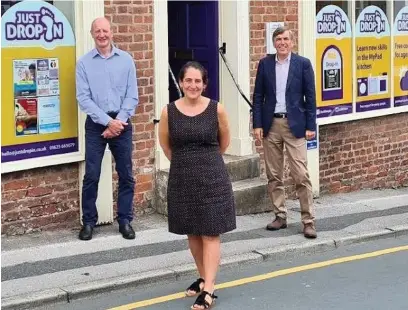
(106, 88)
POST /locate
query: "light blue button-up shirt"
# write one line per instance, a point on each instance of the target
(282, 71)
(107, 85)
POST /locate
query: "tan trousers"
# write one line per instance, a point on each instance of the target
(278, 136)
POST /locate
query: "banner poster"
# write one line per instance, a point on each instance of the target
(39, 112)
(373, 52)
(333, 62)
(401, 58)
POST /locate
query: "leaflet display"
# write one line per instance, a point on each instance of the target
(39, 111)
(36, 96)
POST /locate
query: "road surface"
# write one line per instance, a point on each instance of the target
(372, 275)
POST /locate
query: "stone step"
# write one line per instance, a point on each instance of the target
(251, 195)
(250, 190)
(242, 167)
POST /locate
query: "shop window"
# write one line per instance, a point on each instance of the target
(383, 5)
(66, 7)
(5, 5)
(398, 5)
(342, 4)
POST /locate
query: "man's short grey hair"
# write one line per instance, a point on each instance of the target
(281, 30)
(98, 18)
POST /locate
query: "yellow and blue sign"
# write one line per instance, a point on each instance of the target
(333, 62)
(401, 58)
(39, 112)
(373, 52)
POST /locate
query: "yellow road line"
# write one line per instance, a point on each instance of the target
(266, 276)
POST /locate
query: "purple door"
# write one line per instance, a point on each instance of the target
(193, 35)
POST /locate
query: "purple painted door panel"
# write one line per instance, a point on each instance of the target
(193, 35)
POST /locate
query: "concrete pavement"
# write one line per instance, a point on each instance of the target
(56, 267)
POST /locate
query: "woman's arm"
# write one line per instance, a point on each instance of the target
(223, 129)
(164, 137)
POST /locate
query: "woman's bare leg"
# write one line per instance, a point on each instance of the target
(211, 259)
(195, 244)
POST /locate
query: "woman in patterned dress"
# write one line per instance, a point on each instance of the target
(194, 133)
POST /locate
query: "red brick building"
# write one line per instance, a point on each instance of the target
(357, 151)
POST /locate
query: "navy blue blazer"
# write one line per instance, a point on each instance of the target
(300, 95)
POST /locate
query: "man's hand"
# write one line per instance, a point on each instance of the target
(258, 133)
(116, 126)
(109, 134)
(310, 134)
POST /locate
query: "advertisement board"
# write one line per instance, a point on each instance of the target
(373, 60)
(400, 31)
(333, 62)
(39, 112)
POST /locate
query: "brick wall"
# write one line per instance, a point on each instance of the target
(262, 12)
(132, 23)
(371, 153)
(43, 198)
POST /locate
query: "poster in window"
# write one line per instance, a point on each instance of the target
(373, 44)
(24, 77)
(38, 58)
(25, 114)
(334, 59)
(47, 77)
(401, 58)
(49, 114)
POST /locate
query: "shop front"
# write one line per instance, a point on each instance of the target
(359, 50)
(360, 54)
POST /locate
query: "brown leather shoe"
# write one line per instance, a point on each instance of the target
(309, 231)
(277, 224)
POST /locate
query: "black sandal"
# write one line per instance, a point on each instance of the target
(200, 301)
(195, 287)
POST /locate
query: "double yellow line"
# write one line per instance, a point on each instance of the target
(266, 276)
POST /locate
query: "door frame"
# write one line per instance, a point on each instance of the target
(237, 38)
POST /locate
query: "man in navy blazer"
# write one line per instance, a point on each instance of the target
(284, 114)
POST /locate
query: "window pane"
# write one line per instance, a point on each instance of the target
(65, 6)
(398, 5)
(342, 4)
(5, 5)
(361, 5)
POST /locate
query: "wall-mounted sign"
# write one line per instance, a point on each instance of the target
(333, 62)
(270, 29)
(39, 112)
(312, 144)
(373, 52)
(401, 58)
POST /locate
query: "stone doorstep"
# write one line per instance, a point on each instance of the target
(50, 296)
(249, 189)
(250, 195)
